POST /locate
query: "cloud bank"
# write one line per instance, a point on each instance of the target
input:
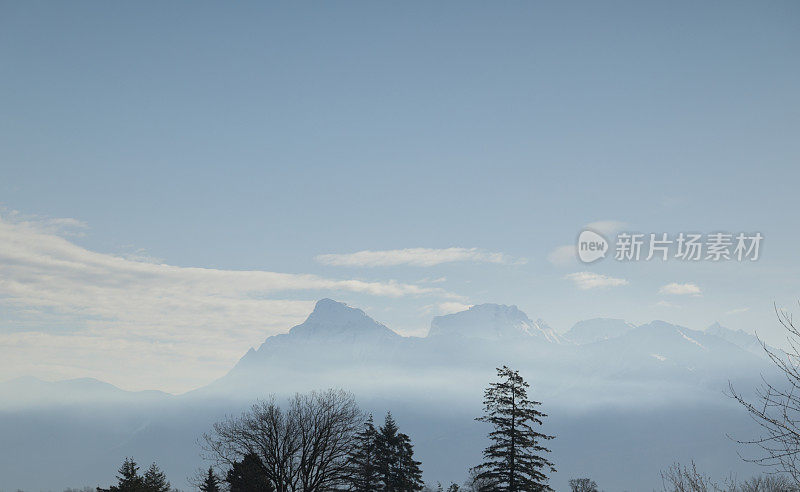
(423, 257)
(680, 289)
(72, 312)
(590, 280)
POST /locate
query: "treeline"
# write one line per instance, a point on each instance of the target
(322, 441)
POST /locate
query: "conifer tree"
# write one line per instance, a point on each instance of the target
(398, 470)
(210, 483)
(155, 480)
(249, 475)
(515, 461)
(128, 478)
(364, 471)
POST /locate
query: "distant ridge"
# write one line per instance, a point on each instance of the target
(492, 322)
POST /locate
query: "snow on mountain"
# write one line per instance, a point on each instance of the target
(597, 329)
(657, 385)
(739, 338)
(492, 322)
(336, 320)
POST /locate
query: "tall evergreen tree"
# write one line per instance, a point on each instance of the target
(409, 474)
(249, 475)
(514, 462)
(364, 473)
(128, 478)
(210, 483)
(398, 470)
(155, 480)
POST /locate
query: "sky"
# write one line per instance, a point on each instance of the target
(180, 180)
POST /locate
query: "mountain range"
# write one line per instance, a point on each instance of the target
(624, 401)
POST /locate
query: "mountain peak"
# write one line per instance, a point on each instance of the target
(492, 322)
(597, 330)
(336, 319)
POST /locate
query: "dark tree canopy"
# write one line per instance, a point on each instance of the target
(397, 468)
(210, 482)
(515, 461)
(364, 475)
(129, 480)
(248, 475)
(155, 480)
(304, 447)
(582, 485)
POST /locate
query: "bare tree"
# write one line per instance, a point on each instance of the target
(328, 423)
(680, 478)
(582, 485)
(304, 448)
(767, 483)
(777, 406)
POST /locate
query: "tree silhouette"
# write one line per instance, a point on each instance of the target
(303, 447)
(777, 406)
(582, 485)
(129, 480)
(210, 483)
(398, 470)
(248, 475)
(514, 461)
(364, 474)
(155, 480)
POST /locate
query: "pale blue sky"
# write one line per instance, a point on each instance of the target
(258, 136)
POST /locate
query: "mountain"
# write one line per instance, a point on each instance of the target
(597, 329)
(643, 396)
(337, 321)
(739, 338)
(29, 391)
(492, 322)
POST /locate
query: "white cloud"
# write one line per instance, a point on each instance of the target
(452, 307)
(73, 312)
(680, 289)
(606, 227)
(566, 255)
(738, 310)
(563, 255)
(666, 304)
(590, 280)
(424, 257)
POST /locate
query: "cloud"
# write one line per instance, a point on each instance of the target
(452, 307)
(424, 257)
(589, 280)
(563, 255)
(606, 227)
(566, 255)
(666, 304)
(738, 310)
(69, 311)
(680, 289)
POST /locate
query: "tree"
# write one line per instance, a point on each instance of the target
(514, 461)
(582, 485)
(397, 468)
(248, 475)
(155, 480)
(210, 483)
(777, 409)
(363, 473)
(306, 447)
(128, 478)
(475, 484)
